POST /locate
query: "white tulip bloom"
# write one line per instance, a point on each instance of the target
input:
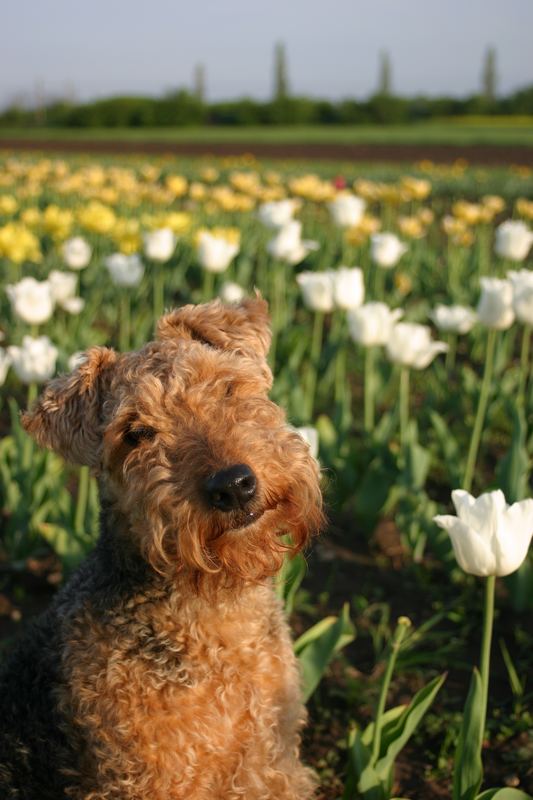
(347, 210)
(278, 213)
(231, 292)
(348, 287)
(76, 252)
(513, 240)
(5, 363)
(215, 253)
(488, 536)
(32, 301)
(386, 249)
(160, 244)
(371, 324)
(410, 345)
(125, 271)
(522, 283)
(453, 319)
(288, 244)
(495, 307)
(73, 305)
(318, 290)
(35, 361)
(63, 285)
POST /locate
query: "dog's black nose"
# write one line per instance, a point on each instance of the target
(231, 488)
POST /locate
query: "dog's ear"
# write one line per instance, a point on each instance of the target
(244, 328)
(67, 416)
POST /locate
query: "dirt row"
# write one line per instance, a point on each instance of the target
(482, 154)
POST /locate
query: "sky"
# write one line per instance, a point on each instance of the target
(95, 48)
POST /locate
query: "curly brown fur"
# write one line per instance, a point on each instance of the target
(166, 668)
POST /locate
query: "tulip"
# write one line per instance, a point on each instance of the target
(410, 345)
(513, 240)
(35, 361)
(73, 305)
(5, 362)
(63, 286)
(278, 213)
(347, 210)
(125, 271)
(317, 290)
(310, 437)
(215, 253)
(454, 319)
(495, 307)
(488, 536)
(76, 253)
(371, 324)
(159, 245)
(31, 300)
(348, 287)
(288, 244)
(386, 249)
(231, 292)
(522, 283)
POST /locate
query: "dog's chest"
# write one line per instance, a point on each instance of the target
(182, 693)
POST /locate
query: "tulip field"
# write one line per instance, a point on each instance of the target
(401, 302)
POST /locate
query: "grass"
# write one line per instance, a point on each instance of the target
(465, 131)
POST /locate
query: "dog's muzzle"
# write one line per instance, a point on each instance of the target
(231, 489)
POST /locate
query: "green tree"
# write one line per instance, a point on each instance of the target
(199, 83)
(385, 75)
(281, 83)
(489, 77)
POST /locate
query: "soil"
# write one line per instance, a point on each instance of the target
(483, 154)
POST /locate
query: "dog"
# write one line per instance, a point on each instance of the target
(164, 669)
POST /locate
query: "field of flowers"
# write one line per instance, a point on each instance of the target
(402, 311)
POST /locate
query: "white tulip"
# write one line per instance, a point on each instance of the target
(310, 437)
(513, 240)
(215, 253)
(348, 287)
(317, 289)
(288, 244)
(495, 307)
(35, 361)
(31, 300)
(159, 245)
(63, 285)
(410, 345)
(73, 305)
(231, 292)
(5, 363)
(454, 319)
(347, 210)
(522, 283)
(278, 213)
(488, 536)
(386, 249)
(125, 270)
(76, 252)
(371, 324)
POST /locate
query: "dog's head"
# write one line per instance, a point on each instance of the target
(189, 448)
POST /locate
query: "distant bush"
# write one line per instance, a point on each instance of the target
(181, 108)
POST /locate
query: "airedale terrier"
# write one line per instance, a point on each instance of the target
(164, 670)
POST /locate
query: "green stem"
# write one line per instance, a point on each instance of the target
(397, 639)
(27, 449)
(404, 404)
(125, 315)
(81, 501)
(369, 386)
(316, 346)
(159, 291)
(379, 283)
(481, 411)
(488, 620)
(524, 363)
(452, 350)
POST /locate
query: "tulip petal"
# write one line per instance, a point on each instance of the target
(471, 551)
(513, 536)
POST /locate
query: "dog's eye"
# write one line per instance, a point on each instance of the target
(135, 436)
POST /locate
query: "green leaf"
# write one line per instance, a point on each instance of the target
(449, 447)
(388, 719)
(512, 472)
(468, 772)
(362, 778)
(319, 646)
(397, 735)
(503, 794)
(289, 579)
